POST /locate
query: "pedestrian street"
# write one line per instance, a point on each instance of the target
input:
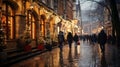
(84, 55)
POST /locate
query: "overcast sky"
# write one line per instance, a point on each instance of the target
(88, 8)
(91, 12)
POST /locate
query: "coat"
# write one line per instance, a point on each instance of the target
(102, 38)
(69, 38)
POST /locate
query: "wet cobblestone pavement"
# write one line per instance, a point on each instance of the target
(84, 55)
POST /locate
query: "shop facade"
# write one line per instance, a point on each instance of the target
(35, 18)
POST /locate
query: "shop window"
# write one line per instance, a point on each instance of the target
(7, 22)
(30, 24)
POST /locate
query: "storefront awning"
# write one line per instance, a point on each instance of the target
(12, 4)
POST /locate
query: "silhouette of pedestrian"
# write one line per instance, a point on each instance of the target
(103, 61)
(76, 39)
(61, 59)
(69, 39)
(70, 57)
(102, 38)
(61, 39)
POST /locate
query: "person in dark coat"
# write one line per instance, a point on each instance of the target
(102, 38)
(70, 39)
(61, 40)
(76, 39)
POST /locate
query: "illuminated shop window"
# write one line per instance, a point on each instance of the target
(30, 24)
(7, 22)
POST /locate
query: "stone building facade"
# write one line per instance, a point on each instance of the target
(36, 17)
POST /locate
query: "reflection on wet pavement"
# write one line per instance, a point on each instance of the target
(89, 57)
(84, 55)
(103, 61)
(55, 58)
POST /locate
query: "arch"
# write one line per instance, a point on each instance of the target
(34, 13)
(33, 20)
(12, 4)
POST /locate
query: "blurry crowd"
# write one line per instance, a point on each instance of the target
(94, 38)
(101, 38)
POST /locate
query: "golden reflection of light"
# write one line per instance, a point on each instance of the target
(11, 28)
(99, 50)
(42, 27)
(78, 49)
(33, 30)
(56, 55)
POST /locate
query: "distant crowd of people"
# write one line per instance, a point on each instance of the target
(101, 38)
(94, 38)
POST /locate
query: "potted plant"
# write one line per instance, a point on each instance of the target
(40, 45)
(23, 42)
(27, 40)
(3, 54)
(48, 44)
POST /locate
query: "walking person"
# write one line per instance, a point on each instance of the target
(102, 38)
(76, 39)
(61, 39)
(69, 39)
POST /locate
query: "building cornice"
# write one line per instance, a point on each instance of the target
(40, 3)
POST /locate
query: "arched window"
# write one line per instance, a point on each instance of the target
(30, 24)
(8, 18)
(8, 21)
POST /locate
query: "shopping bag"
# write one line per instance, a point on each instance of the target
(40, 47)
(78, 43)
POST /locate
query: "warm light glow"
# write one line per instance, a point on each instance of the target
(69, 30)
(102, 27)
(99, 29)
(76, 26)
(33, 30)
(42, 27)
(11, 28)
(57, 19)
(32, 5)
(75, 21)
(3, 19)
